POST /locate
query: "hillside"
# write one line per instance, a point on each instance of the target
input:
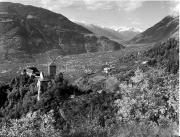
(26, 30)
(135, 99)
(166, 28)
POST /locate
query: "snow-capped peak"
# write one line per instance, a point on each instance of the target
(115, 28)
(121, 29)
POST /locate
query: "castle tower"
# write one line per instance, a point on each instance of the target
(41, 85)
(52, 70)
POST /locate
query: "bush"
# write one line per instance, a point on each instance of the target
(153, 99)
(32, 125)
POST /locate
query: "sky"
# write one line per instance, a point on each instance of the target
(139, 14)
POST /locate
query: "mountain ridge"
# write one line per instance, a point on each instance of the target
(166, 28)
(28, 30)
(112, 33)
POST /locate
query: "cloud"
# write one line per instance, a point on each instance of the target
(98, 5)
(176, 7)
(54, 5)
(136, 22)
(130, 5)
(127, 5)
(121, 5)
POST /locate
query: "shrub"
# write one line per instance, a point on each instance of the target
(152, 99)
(32, 125)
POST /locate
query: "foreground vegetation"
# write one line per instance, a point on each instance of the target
(143, 102)
(150, 103)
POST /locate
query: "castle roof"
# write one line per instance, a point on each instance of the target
(52, 64)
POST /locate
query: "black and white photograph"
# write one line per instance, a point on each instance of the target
(89, 68)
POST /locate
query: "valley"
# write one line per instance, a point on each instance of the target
(73, 65)
(90, 81)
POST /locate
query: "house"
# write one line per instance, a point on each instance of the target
(107, 68)
(32, 71)
(144, 62)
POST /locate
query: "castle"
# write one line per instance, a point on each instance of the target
(45, 81)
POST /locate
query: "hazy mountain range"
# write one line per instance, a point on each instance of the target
(117, 34)
(166, 28)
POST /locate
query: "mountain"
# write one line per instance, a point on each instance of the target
(27, 30)
(119, 34)
(129, 33)
(168, 27)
